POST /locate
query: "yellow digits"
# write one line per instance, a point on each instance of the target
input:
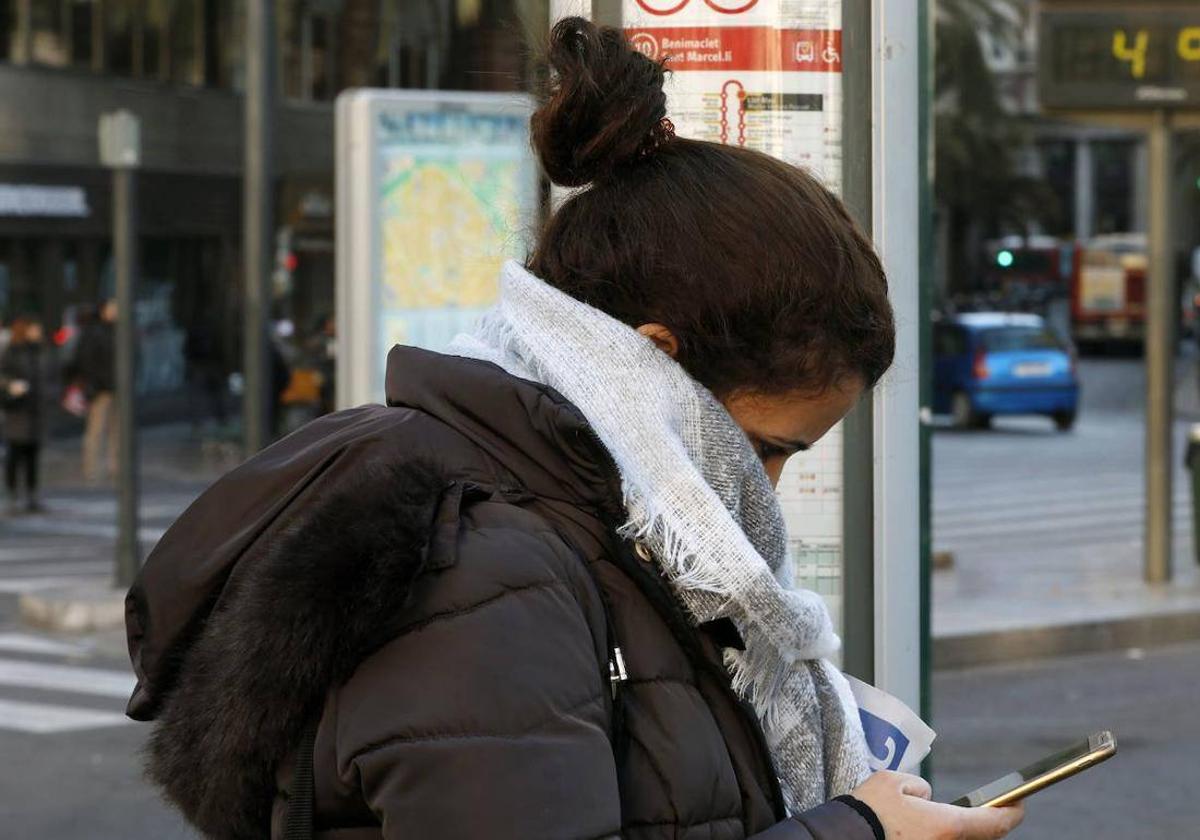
(1189, 43)
(1135, 56)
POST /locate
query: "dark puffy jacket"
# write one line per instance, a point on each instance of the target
(438, 583)
(24, 420)
(95, 364)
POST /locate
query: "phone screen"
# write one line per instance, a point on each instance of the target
(1044, 767)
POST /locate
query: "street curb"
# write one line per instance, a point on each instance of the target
(1026, 643)
(74, 609)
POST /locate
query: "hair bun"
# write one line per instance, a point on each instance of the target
(606, 106)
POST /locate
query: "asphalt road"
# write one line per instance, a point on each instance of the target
(80, 779)
(994, 720)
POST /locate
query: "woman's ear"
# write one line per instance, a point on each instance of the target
(662, 337)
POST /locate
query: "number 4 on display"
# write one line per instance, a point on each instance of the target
(1187, 45)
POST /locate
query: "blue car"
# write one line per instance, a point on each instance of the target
(990, 363)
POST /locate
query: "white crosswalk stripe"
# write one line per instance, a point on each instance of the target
(43, 697)
(994, 507)
(47, 718)
(28, 643)
(97, 681)
(18, 586)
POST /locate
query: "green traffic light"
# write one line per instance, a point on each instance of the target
(1005, 259)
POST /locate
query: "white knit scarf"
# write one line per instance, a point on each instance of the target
(698, 498)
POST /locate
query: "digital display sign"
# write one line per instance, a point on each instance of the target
(1096, 59)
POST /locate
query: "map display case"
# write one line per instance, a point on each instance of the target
(435, 190)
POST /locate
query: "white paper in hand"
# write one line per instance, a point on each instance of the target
(897, 739)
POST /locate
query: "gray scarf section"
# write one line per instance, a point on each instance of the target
(698, 498)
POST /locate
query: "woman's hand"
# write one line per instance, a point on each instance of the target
(902, 804)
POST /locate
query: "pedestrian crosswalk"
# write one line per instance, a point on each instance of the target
(993, 496)
(74, 539)
(48, 686)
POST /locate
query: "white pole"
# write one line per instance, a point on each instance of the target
(895, 96)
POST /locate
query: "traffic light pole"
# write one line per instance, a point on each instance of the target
(1160, 356)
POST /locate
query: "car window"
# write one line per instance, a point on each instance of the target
(949, 341)
(1003, 339)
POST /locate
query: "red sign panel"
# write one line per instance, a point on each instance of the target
(758, 48)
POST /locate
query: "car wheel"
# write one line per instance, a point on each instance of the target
(1064, 421)
(963, 412)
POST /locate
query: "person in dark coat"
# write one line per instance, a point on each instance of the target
(23, 389)
(525, 598)
(94, 367)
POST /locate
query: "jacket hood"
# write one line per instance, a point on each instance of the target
(528, 428)
(293, 568)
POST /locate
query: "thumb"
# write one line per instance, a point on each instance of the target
(989, 823)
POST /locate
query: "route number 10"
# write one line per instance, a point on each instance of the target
(1133, 50)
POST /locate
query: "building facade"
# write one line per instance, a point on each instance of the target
(178, 65)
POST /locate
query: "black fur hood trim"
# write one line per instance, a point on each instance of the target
(288, 625)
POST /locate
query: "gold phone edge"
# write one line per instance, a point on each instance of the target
(1057, 775)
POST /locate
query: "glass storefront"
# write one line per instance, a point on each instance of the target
(324, 46)
(55, 227)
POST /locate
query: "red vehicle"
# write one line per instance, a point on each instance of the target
(1025, 265)
(1108, 290)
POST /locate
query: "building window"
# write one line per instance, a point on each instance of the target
(1114, 186)
(305, 35)
(1058, 167)
(185, 35)
(83, 32)
(9, 48)
(121, 55)
(50, 33)
(224, 34)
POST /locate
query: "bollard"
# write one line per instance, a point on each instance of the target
(1192, 459)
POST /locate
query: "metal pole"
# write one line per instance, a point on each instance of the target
(927, 257)
(125, 258)
(1160, 357)
(858, 431)
(257, 238)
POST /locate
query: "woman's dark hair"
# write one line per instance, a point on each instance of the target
(758, 270)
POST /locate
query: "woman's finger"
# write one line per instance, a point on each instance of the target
(991, 823)
(916, 786)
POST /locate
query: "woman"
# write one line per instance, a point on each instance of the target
(543, 594)
(22, 379)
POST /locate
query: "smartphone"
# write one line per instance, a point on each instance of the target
(1050, 770)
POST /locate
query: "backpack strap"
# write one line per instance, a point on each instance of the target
(301, 802)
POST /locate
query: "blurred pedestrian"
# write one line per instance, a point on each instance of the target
(322, 354)
(544, 592)
(205, 373)
(23, 389)
(95, 368)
